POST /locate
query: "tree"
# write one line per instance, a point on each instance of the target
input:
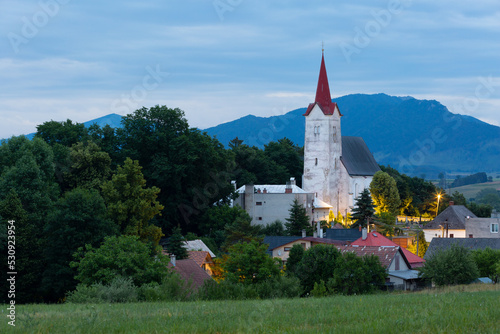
(294, 258)
(386, 224)
(27, 182)
(422, 245)
(385, 193)
(454, 265)
(480, 210)
(124, 256)
(90, 166)
(192, 169)
(354, 274)
(79, 218)
(248, 263)
(486, 261)
(318, 263)
(489, 196)
(289, 155)
(130, 204)
(176, 244)
(216, 218)
(363, 209)
(241, 230)
(276, 228)
(26, 260)
(298, 220)
(65, 133)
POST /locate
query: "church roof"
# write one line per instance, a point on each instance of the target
(357, 158)
(323, 98)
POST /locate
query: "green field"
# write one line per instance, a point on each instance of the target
(471, 190)
(461, 309)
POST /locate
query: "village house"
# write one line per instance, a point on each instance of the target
(483, 227)
(448, 224)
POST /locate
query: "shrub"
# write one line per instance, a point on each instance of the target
(452, 266)
(120, 290)
(486, 260)
(319, 289)
(172, 288)
(318, 263)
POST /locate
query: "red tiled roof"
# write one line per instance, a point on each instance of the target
(189, 270)
(200, 257)
(323, 241)
(377, 239)
(385, 254)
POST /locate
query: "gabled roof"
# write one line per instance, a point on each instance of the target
(357, 158)
(385, 254)
(198, 245)
(323, 97)
(190, 271)
(377, 239)
(438, 244)
(454, 215)
(200, 257)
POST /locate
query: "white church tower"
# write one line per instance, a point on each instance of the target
(323, 147)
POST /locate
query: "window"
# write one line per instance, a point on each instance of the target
(334, 134)
(471, 236)
(316, 163)
(303, 244)
(260, 218)
(451, 235)
(494, 228)
(258, 203)
(287, 249)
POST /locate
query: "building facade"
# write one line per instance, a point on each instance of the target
(336, 168)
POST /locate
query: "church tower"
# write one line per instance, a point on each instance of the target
(323, 146)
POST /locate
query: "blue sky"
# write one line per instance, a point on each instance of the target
(219, 60)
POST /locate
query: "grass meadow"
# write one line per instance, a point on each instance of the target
(459, 309)
(471, 190)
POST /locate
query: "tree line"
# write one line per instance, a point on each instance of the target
(73, 186)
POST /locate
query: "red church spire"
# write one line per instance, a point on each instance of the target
(323, 98)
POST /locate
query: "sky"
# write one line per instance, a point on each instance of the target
(219, 60)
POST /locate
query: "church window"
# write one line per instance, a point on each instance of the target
(334, 134)
(335, 163)
(316, 162)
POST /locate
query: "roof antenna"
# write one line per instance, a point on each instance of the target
(322, 47)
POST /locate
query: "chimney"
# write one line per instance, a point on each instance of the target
(172, 259)
(258, 190)
(452, 203)
(292, 181)
(234, 184)
(288, 188)
(303, 233)
(315, 234)
(318, 229)
(264, 191)
(364, 234)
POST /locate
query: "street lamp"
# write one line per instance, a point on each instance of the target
(437, 208)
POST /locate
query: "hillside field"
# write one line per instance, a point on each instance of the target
(471, 190)
(459, 309)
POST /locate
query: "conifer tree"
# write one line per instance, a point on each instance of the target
(176, 245)
(363, 209)
(298, 220)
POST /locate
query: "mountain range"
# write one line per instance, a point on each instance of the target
(414, 136)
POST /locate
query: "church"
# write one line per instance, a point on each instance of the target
(336, 168)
